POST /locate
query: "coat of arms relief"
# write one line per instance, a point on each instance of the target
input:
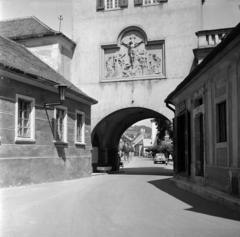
(133, 59)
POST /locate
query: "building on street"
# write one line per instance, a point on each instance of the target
(45, 134)
(207, 118)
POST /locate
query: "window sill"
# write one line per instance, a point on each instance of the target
(80, 144)
(221, 144)
(19, 140)
(60, 143)
(109, 10)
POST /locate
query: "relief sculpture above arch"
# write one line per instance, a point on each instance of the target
(133, 57)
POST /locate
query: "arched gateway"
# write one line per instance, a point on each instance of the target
(107, 133)
(130, 66)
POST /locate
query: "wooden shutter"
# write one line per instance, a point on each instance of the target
(100, 5)
(123, 3)
(138, 2)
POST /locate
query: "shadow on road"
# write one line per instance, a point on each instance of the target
(198, 203)
(146, 171)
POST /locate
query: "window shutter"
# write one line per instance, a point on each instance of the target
(138, 2)
(123, 3)
(100, 5)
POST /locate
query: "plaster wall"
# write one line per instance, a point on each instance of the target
(49, 54)
(41, 160)
(175, 22)
(220, 14)
(217, 82)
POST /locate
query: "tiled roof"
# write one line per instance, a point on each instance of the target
(28, 27)
(18, 58)
(24, 27)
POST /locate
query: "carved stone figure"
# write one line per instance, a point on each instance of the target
(133, 59)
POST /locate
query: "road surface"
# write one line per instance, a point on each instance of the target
(140, 201)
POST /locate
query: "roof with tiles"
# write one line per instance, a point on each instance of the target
(18, 58)
(28, 27)
(24, 27)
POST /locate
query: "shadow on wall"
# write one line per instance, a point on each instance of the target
(61, 152)
(197, 203)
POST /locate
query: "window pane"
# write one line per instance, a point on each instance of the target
(221, 122)
(79, 135)
(60, 124)
(24, 122)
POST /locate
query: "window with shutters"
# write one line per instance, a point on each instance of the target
(150, 2)
(60, 124)
(79, 127)
(111, 4)
(25, 119)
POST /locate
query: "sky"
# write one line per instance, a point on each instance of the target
(47, 11)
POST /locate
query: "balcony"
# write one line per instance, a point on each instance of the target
(207, 40)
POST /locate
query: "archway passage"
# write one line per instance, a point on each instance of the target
(107, 133)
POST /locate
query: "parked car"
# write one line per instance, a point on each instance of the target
(159, 158)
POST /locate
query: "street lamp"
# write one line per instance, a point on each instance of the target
(61, 93)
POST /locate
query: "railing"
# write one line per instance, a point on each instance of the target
(211, 38)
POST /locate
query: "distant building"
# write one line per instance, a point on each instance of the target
(207, 118)
(141, 143)
(39, 142)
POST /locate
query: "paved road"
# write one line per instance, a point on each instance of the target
(118, 205)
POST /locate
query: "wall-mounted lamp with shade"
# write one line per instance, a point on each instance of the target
(61, 93)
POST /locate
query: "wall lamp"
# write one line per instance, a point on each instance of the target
(61, 93)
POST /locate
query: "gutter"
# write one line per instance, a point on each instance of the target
(169, 107)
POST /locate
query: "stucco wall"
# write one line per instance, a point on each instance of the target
(41, 161)
(217, 82)
(174, 22)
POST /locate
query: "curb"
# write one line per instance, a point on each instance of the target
(210, 194)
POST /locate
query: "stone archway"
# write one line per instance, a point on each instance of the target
(107, 133)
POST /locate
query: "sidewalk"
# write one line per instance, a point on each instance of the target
(209, 193)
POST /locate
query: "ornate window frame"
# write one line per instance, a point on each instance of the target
(157, 45)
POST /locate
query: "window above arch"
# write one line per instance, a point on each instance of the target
(111, 4)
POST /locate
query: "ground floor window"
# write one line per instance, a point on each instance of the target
(25, 118)
(221, 119)
(60, 116)
(80, 127)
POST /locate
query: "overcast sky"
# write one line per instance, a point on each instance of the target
(46, 10)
